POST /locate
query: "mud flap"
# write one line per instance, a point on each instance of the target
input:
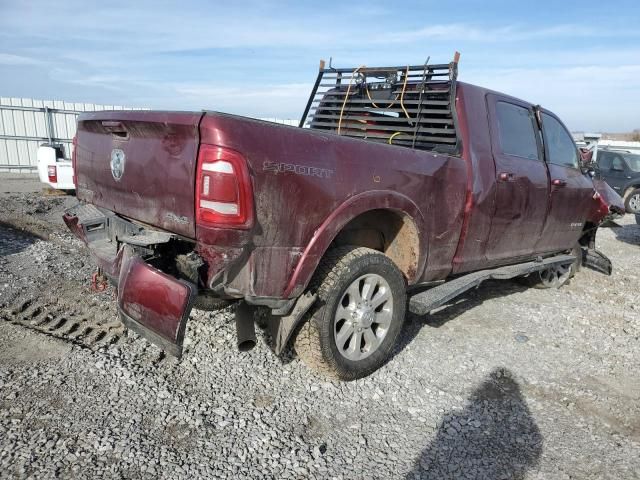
(596, 260)
(282, 329)
(154, 304)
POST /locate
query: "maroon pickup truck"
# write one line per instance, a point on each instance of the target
(402, 188)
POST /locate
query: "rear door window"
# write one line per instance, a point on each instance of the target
(617, 164)
(560, 147)
(516, 131)
(604, 161)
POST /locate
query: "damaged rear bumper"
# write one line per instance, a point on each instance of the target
(150, 302)
(154, 304)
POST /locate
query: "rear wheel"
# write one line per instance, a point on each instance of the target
(359, 314)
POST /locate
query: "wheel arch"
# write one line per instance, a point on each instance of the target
(409, 226)
(630, 187)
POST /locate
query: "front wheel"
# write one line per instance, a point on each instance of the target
(359, 314)
(557, 275)
(632, 202)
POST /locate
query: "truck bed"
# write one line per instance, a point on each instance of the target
(300, 178)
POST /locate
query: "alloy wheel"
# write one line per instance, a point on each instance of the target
(363, 317)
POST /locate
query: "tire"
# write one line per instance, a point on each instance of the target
(343, 281)
(632, 201)
(556, 276)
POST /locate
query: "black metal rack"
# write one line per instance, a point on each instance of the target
(411, 106)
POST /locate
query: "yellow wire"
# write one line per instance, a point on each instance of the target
(344, 103)
(393, 136)
(347, 96)
(404, 86)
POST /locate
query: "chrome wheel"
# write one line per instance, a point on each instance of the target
(363, 317)
(555, 276)
(634, 203)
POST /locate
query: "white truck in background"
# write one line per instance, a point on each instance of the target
(53, 168)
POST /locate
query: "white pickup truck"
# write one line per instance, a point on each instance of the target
(53, 168)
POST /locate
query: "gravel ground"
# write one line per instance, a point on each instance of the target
(508, 382)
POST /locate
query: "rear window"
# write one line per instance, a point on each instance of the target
(633, 161)
(517, 135)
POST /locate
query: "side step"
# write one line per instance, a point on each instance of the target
(422, 303)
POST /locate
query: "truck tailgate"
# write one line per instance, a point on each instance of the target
(140, 164)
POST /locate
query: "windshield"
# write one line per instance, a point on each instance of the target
(633, 161)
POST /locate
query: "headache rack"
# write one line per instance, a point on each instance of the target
(411, 106)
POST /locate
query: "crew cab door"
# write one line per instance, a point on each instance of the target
(571, 189)
(522, 183)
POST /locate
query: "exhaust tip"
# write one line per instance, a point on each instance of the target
(245, 328)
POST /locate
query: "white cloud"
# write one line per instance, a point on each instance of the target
(18, 60)
(587, 97)
(259, 57)
(254, 100)
(465, 32)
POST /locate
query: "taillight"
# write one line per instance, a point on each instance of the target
(52, 172)
(73, 161)
(223, 189)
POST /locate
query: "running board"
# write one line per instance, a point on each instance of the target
(422, 303)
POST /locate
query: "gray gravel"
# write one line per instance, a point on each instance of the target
(508, 382)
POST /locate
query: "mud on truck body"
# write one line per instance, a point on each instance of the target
(403, 184)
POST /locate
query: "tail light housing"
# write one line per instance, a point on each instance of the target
(74, 155)
(52, 173)
(223, 189)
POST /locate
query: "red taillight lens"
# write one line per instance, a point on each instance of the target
(52, 172)
(74, 154)
(223, 189)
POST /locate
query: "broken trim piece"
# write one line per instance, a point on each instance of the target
(282, 328)
(596, 260)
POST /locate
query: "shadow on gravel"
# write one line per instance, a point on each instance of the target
(13, 240)
(629, 234)
(494, 437)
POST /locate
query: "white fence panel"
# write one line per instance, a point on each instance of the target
(26, 123)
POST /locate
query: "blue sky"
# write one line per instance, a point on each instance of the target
(579, 59)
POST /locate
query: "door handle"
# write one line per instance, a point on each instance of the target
(558, 182)
(506, 177)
